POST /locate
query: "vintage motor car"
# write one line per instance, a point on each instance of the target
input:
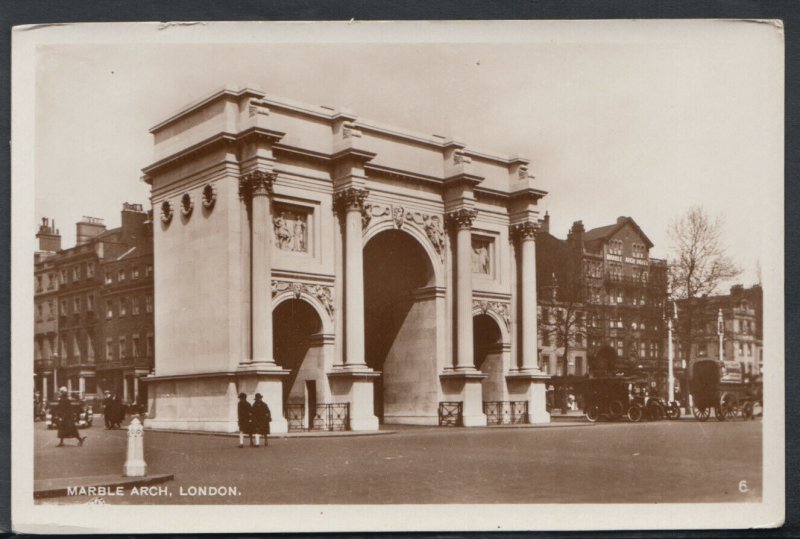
(618, 397)
(81, 410)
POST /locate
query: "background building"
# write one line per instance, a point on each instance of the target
(69, 324)
(601, 299)
(741, 311)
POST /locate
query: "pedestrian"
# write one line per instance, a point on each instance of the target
(66, 419)
(108, 412)
(244, 411)
(261, 419)
(116, 413)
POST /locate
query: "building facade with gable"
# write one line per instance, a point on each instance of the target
(338, 266)
(606, 287)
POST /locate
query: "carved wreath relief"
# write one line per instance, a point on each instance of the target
(291, 230)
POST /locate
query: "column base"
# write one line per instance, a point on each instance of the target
(468, 383)
(354, 384)
(266, 379)
(530, 385)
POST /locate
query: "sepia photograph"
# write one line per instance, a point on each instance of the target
(397, 276)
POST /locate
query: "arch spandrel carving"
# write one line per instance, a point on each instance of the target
(429, 225)
(319, 296)
(499, 310)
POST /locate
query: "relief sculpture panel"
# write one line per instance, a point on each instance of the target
(290, 227)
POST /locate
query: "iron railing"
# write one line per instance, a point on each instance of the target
(451, 414)
(327, 417)
(295, 417)
(506, 412)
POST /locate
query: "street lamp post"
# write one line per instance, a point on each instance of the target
(720, 332)
(671, 316)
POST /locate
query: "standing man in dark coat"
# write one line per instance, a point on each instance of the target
(261, 419)
(66, 419)
(108, 410)
(245, 420)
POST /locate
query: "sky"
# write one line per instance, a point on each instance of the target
(631, 118)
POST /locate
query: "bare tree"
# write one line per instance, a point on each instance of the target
(700, 264)
(698, 267)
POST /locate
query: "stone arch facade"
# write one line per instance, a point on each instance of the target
(263, 200)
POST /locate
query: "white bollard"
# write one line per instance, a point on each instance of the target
(134, 463)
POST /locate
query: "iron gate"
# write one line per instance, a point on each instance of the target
(506, 412)
(450, 414)
(329, 417)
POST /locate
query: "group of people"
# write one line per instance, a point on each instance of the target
(113, 411)
(65, 413)
(254, 420)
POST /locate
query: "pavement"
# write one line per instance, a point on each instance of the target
(604, 462)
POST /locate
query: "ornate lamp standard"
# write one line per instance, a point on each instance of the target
(720, 332)
(671, 315)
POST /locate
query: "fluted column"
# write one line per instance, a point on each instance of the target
(350, 203)
(256, 187)
(526, 235)
(461, 222)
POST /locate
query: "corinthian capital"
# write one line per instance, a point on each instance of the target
(352, 198)
(461, 218)
(255, 183)
(525, 231)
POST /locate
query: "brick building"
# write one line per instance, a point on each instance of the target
(742, 335)
(69, 327)
(601, 296)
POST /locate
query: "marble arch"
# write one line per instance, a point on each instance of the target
(298, 192)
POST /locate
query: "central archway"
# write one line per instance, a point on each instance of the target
(400, 327)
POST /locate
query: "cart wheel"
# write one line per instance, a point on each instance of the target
(655, 411)
(747, 410)
(719, 414)
(593, 414)
(673, 411)
(728, 406)
(616, 409)
(701, 414)
(635, 413)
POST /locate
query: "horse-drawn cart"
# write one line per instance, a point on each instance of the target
(720, 387)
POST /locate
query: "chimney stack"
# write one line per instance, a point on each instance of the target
(544, 224)
(576, 232)
(48, 236)
(87, 228)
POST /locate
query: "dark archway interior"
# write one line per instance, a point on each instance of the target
(485, 336)
(294, 323)
(395, 265)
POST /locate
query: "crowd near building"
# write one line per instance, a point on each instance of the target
(93, 308)
(354, 274)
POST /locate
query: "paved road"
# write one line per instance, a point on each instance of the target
(668, 462)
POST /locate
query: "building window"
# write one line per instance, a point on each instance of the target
(89, 270)
(90, 303)
(51, 311)
(122, 350)
(109, 310)
(148, 270)
(702, 350)
(76, 305)
(135, 273)
(741, 349)
(134, 306)
(148, 303)
(63, 307)
(749, 349)
(63, 276)
(109, 280)
(135, 346)
(76, 273)
(109, 350)
(123, 306)
(120, 275)
(39, 312)
(38, 283)
(150, 345)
